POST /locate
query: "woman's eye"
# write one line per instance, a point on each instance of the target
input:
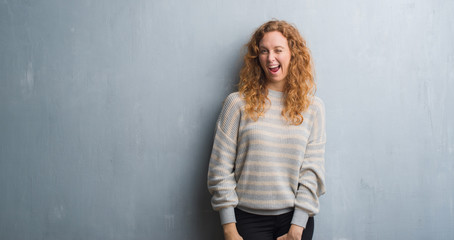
(263, 51)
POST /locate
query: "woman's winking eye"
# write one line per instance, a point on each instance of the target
(277, 50)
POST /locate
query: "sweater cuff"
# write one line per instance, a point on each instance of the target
(227, 215)
(300, 218)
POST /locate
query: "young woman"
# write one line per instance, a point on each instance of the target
(266, 170)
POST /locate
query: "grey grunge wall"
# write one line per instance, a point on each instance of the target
(107, 113)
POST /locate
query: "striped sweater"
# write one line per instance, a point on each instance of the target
(268, 166)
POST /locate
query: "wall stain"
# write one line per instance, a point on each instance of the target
(28, 81)
(169, 222)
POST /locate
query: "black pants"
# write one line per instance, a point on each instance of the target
(258, 227)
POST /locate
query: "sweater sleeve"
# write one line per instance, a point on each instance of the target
(221, 179)
(312, 171)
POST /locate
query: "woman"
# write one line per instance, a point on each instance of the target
(266, 169)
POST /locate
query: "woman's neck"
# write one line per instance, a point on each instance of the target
(275, 86)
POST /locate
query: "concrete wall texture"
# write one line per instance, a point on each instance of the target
(107, 113)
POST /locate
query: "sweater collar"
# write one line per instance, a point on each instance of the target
(274, 93)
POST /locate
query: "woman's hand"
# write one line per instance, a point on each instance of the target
(295, 233)
(230, 232)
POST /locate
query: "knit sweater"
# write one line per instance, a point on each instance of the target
(268, 166)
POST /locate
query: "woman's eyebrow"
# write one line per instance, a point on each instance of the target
(279, 46)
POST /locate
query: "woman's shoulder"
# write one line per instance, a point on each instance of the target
(232, 104)
(317, 101)
(234, 98)
(317, 105)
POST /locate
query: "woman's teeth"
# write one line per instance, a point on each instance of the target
(274, 69)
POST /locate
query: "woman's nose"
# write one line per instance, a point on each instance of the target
(271, 57)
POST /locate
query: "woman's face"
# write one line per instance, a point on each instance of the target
(274, 57)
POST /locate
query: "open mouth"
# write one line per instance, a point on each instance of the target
(274, 69)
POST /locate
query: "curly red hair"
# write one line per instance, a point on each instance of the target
(300, 85)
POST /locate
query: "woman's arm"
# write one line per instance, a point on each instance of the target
(221, 178)
(312, 172)
(231, 232)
